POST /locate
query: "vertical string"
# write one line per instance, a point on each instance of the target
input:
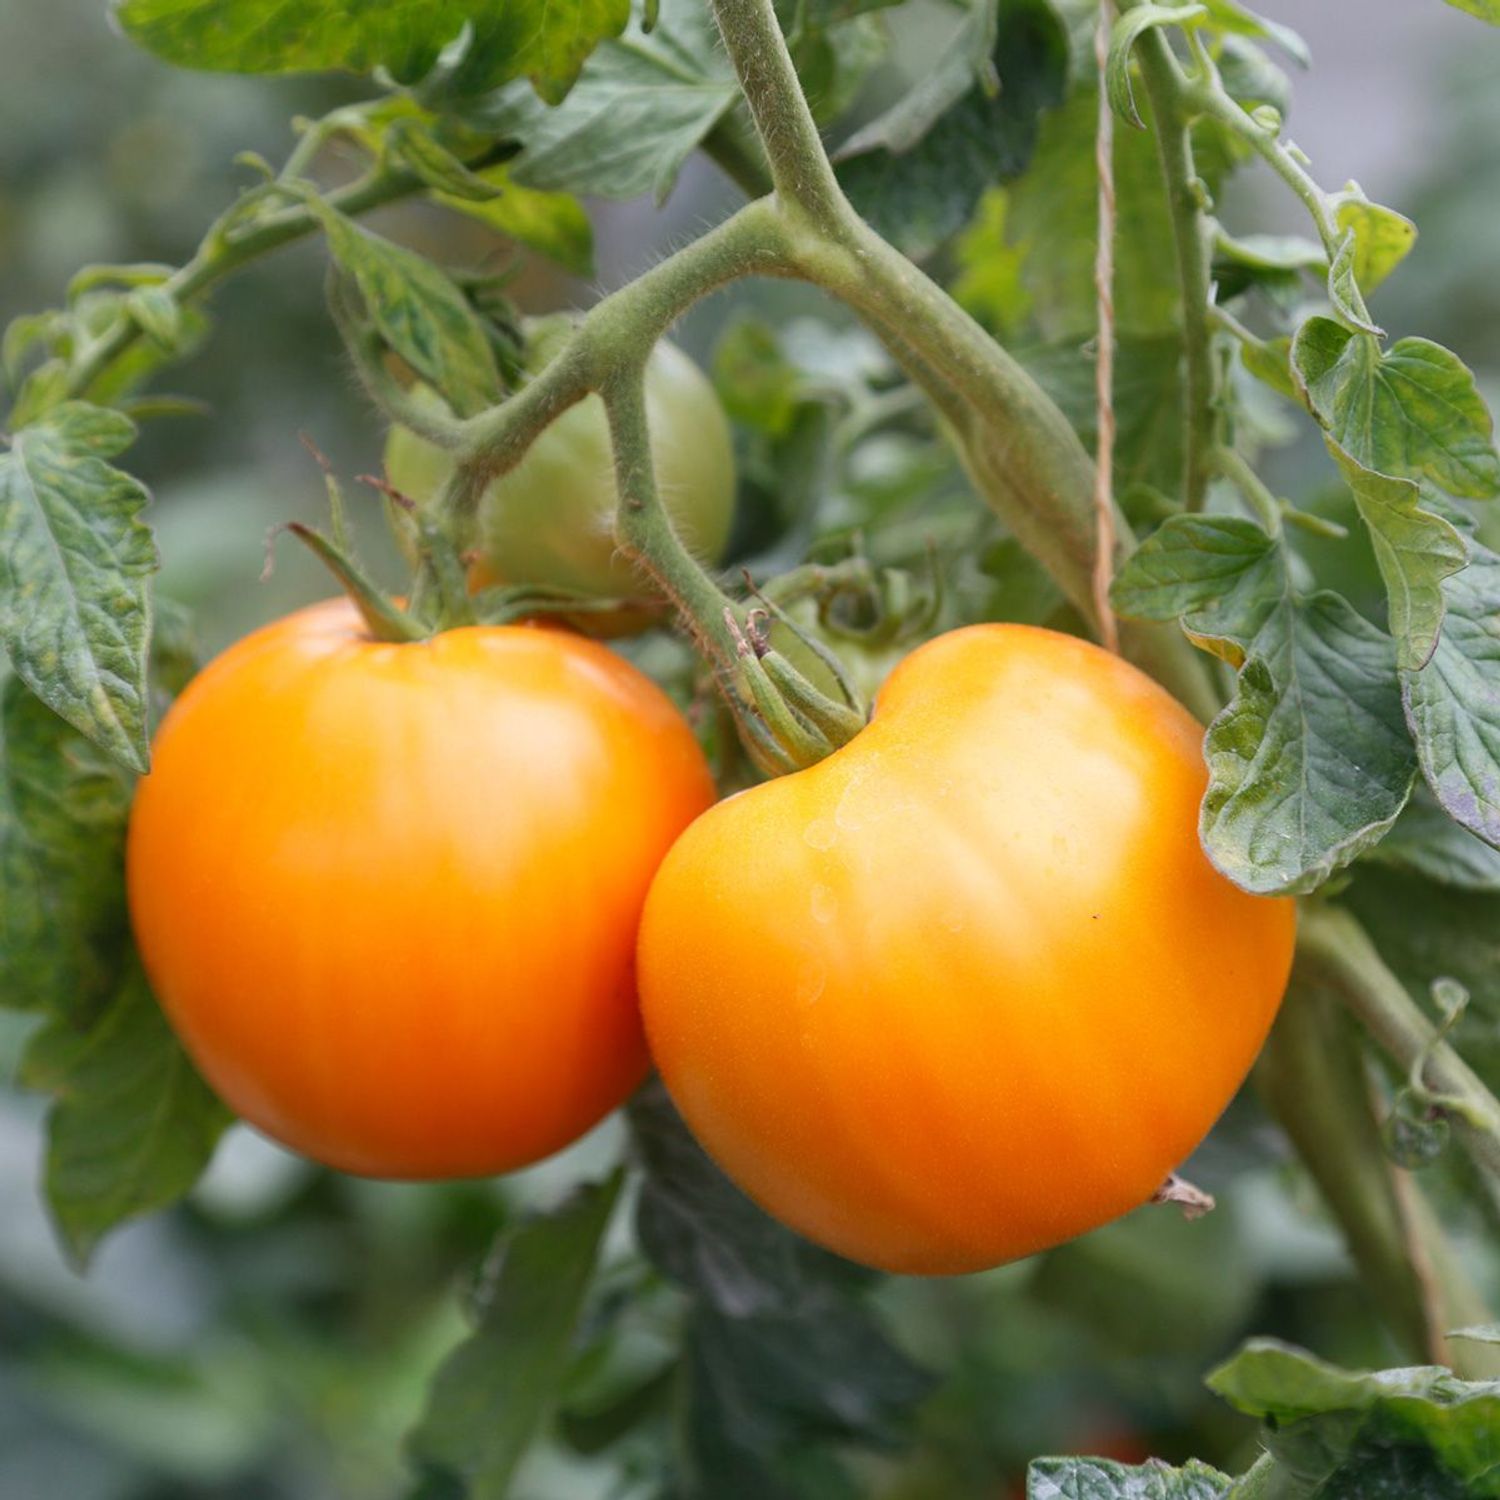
(1104, 367)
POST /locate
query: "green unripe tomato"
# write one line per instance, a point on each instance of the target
(550, 520)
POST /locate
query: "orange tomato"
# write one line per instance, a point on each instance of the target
(388, 894)
(969, 987)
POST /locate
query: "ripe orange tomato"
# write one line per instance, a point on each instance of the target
(969, 987)
(388, 894)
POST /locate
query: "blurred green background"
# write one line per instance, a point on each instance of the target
(271, 1338)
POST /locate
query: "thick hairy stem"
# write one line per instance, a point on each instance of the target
(1164, 87)
(1335, 947)
(643, 526)
(800, 169)
(1025, 458)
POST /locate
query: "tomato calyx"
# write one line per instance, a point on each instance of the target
(384, 618)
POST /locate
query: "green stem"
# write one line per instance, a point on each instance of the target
(1207, 95)
(1312, 1079)
(1164, 86)
(222, 253)
(1267, 508)
(1337, 949)
(800, 170)
(735, 150)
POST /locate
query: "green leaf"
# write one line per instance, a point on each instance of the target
(642, 105)
(1239, 20)
(63, 805)
(1309, 763)
(783, 1360)
(1395, 417)
(1127, 31)
(1427, 841)
(545, 40)
(493, 1392)
(1343, 1433)
(133, 1125)
(989, 284)
(157, 315)
(963, 64)
(1382, 237)
(1102, 1479)
(74, 562)
(1052, 217)
(553, 224)
(418, 311)
(1486, 10)
(1411, 411)
(1453, 703)
(921, 196)
(1344, 290)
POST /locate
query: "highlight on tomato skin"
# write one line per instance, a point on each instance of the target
(388, 894)
(969, 987)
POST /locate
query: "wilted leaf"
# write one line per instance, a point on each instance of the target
(492, 1393)
(643, 104)
(418, 311)
(545, 40)
(1309, 763)
(1382, 237)
(553, 224)
(1127, 31)
(132, 1126)
(74, 559)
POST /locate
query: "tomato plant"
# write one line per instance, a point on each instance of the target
(415, 872)
(1067, 801)
(549, 522)
(1004, 864)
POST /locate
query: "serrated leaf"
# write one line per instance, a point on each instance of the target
(492, 1392)
(1423, 1426)
(74, 562)
(1102, 1479)
(642, 105)
(1309, 764)
(1412, 410)
(545, 40)
(1453, 703)
(921, 196)
(553, 224)
(1382, 237)
(418, 311)
(1127, 31)
(133, 1125)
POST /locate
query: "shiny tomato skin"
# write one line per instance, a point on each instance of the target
(550, 520)
(388, 894)
(969, 987)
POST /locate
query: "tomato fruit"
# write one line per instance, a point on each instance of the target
(968, 987)
(550, 520)
(388, 894)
